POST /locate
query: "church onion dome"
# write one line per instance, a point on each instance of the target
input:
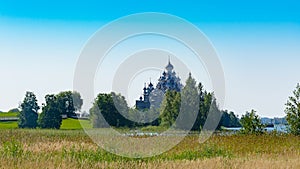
(164, 73)
(169, 67)
(150, 85)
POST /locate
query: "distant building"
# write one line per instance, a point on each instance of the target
(144, 103)
(151, 95)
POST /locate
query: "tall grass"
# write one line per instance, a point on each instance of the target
(74, 149)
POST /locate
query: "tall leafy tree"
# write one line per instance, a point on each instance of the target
(29, 111)
(225, 120)
(170, 108)
(96, 117)
(213, 122)
(229, 119)
(251, 123)
(152, 117)
(50, 116)
(112, 108)
(77, 100)
(292, 111)
(101, 107)
(137, 116)
(65, 103)
(69, 102)
(176, 104)
(205, 100)
(207, 105)
(189, 104)
(234, 120)
(119, 102)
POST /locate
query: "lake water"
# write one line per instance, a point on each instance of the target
(279, 128)
(230, 130)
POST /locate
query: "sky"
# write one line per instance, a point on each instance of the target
(257, 43)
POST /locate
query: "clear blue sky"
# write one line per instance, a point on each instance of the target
(257, 42)
(195, 10)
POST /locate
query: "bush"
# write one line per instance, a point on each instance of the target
(251, 123)
(15, 110)
(293, 111)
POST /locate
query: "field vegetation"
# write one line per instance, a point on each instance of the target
(8, 114)
(67, 124)
(8, 125)
(75, 124)
(28, 148)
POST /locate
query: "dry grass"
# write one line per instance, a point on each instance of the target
(212, 163)
(74, 149)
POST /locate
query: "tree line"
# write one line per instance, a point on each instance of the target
(63, 104)
(193, 101)
(111, 109)
(190, 94)
(251, 122)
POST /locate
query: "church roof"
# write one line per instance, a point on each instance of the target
(168, 81)
(169, 66)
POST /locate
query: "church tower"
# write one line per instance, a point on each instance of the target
(167, 81)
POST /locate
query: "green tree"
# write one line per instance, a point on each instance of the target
(142, 118)
(153, 114)
(207, 106)
(110, 110)
(101, 106)
(292, 111)
(50, 116)
(189, 104)
(234, 120)
(214, 116)
(205, 100)
(120, 104)
(14, 110)
(251, 123)
(96, 117)
(69, 102)
(77, 100)
(29, 111)
(225, 120)
(229, 119)
(170, 108)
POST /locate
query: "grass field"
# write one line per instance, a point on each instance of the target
(8, 125)
(8, 114)
(67, 124)
(74, 149)
(74, 124)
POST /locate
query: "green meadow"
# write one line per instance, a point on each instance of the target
(8, 114)
(67, 124)
(74, 124)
